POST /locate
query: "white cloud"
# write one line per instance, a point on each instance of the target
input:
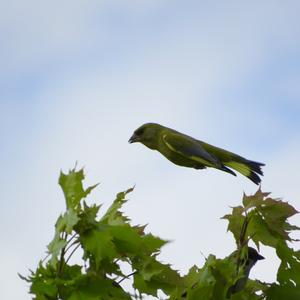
(38, 34)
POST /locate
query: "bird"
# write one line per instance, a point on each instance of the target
(242, 261)
(246, 264)
(186, 151)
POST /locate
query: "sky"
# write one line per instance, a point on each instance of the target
(76, 79)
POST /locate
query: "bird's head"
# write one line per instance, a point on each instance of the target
(247, 263)
(147, 134)
(253, 255)
(250, 260)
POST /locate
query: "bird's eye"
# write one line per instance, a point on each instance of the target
(139, 131)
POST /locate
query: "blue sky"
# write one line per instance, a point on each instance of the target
(77, 77)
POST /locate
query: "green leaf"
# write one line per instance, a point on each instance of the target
(71, 219)
(276, 208)
(279, 292)
(205, 292)
(72, 187)
(269, 217)
(93, 287)
(44, 282)
(143, 286)
(275, 213)
(202, 281)
(82, 295)
(129, 242)
(71, 272)
(46, 288)
(126, 239)
(152, 275)
(98, 245)
(260, 232)
(254, 200)
(236, 220)
(289, 269)
(192, 276)
(153, 243)
(55, 247)
(113, 216)
(87, 218)
(64, 223)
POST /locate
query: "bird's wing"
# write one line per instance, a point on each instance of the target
(189, 148)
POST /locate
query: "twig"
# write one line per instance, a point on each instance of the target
(45, 257)
(62, 254)
(127, 276)
(71, 238)
(71, 245)
(72, 253)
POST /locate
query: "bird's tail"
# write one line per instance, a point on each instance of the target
(248, 168)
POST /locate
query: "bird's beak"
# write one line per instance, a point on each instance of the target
(134, 138)
(259, 257)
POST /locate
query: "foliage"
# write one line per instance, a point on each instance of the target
(108, 242)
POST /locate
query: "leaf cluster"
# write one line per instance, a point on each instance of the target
(109, 244)
(106, 243)
(264, 220)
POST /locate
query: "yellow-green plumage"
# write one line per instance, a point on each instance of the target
(186, 151)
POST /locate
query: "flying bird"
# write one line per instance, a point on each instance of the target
(184, 150)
